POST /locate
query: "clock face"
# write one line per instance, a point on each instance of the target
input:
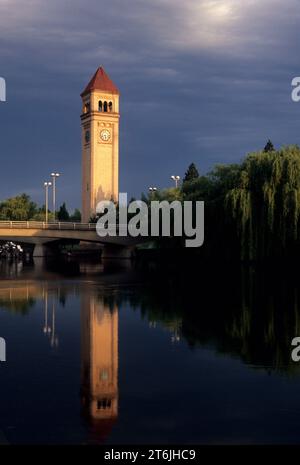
(105, 135)
(87, 136)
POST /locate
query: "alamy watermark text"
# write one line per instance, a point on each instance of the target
(2, 350)
(156, 219)
(2, 90)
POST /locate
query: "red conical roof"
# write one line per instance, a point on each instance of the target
(100, 81)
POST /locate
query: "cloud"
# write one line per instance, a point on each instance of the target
(199, 79)
(169, 25)
(75, 34)
(230, 27)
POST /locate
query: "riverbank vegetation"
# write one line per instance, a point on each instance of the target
(22, 208)
(252, 209)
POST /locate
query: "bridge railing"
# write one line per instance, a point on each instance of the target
(43, 225)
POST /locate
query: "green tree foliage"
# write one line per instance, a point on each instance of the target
(265, 203)
(22, 208)
(76, 216)
(63, 214)
(40, 215)
(197, 189)
(191, 173)
(253, 208)
(213, 186)
(171, 194)
(19, 208)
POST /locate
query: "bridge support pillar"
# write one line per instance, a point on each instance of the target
(116, 251)
(41, 250)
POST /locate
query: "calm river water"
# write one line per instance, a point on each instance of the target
(112, 354)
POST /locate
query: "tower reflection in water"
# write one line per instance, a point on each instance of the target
(99, 364)
(99, 344)
(99, 359)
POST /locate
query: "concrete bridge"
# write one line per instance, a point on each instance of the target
(43, 235)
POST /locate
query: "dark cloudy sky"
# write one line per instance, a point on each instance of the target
(200, 80)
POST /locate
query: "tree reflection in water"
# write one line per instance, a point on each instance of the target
(246, 313)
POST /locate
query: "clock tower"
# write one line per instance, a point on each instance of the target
(100, 143)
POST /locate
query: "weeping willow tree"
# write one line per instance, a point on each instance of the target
(264, 203)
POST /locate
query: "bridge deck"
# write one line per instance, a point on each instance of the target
(40, 232)
(50, 225)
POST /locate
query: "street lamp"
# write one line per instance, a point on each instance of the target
(46, 328)
(54, 176)
(176, 179)
(152, 190)
(54, 338)
(47, 185)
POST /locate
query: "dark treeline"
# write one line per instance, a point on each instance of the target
(251, 209)
(243, 312)
(22, 208)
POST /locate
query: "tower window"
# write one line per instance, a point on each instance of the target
(110, 106)
(105, 107)
(103, 404)
(86, 108)
(100, 105)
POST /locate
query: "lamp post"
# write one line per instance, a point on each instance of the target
(152, 190)
(54, 176)
(54, 338)
(47, 185)
(46, 328)
(176, 179)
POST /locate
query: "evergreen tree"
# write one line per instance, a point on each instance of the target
(191, 174)
(269, 147)
(63, 214)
